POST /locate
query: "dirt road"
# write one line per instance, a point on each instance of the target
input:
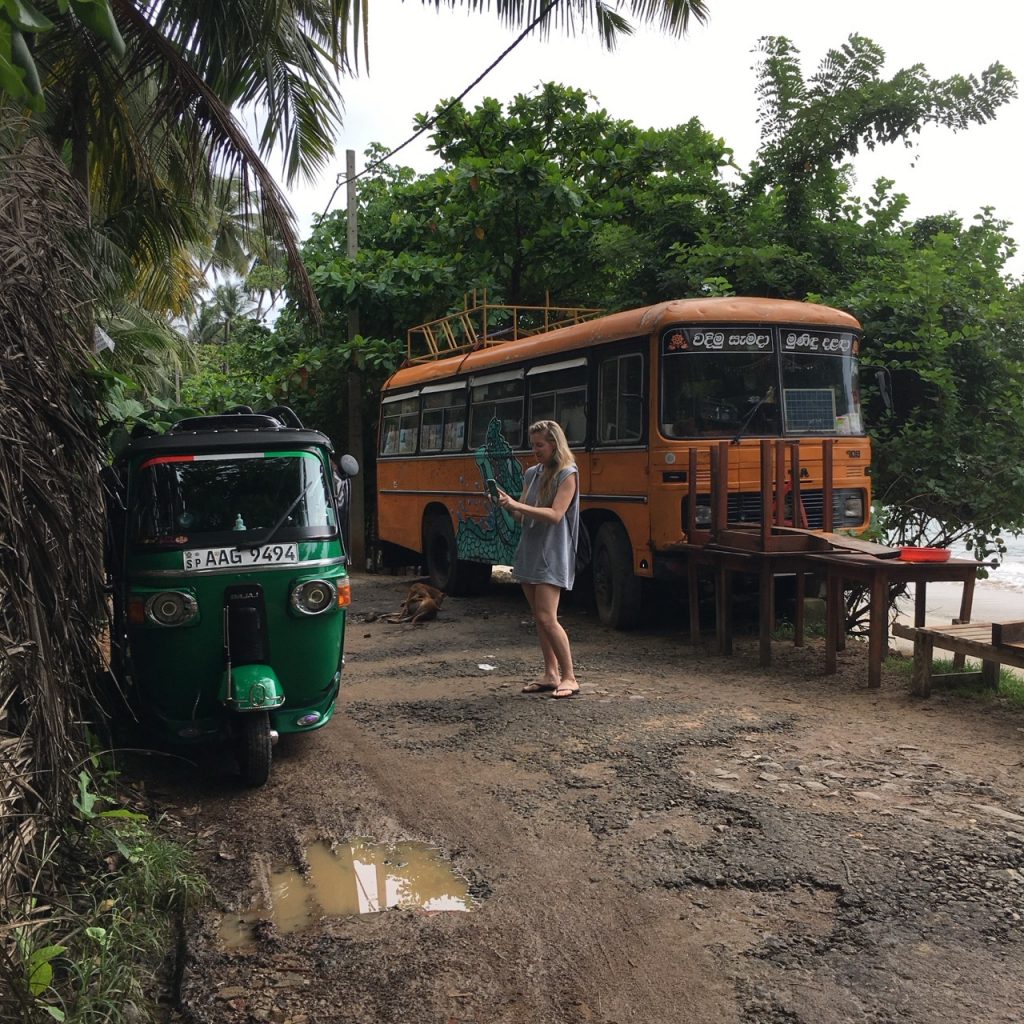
(691, 839)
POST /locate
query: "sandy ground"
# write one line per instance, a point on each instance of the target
(992, 603)
(693, 839)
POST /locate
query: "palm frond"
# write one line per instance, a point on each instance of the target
(609, 18)
(185, 95)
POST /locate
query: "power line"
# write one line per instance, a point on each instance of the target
(430, 122)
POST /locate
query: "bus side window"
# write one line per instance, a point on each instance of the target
(400, 427)
(560, 395)
(620, 399)
(501, 400)
(443, 422)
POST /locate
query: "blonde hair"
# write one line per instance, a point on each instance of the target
(561, 459)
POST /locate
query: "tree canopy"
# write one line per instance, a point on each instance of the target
(549, 196)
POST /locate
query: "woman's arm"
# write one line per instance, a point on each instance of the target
(554, 514)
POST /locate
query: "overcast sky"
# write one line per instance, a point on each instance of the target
(420, 56)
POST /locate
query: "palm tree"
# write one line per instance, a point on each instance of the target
(201, 325)
(150, 135)
(231, 305)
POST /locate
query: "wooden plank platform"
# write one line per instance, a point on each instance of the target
(842, 542)
(972, 639)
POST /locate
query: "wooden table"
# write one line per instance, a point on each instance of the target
(877, 574)
(765, 565)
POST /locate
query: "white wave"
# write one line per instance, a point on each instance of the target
(1010, 573)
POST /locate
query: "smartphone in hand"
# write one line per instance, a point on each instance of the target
(492, 489)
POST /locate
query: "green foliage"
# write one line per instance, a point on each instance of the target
(549, 197)
(20, 22)
(123, 894)
(949, 328)
(125, 404)
(809, 127)
(287, 366)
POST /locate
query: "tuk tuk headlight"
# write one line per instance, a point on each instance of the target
(314, 597)
(171, 608)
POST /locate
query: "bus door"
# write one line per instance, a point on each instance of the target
(618, 479)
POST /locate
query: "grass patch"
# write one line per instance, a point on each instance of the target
(1011, 684)
(101, 945)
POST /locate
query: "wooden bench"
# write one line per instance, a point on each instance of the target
(973, 639)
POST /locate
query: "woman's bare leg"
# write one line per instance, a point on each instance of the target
(545, 612)
(551, 676)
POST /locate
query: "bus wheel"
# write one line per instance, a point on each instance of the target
(447, 571)
(254, 747)
(617, 592)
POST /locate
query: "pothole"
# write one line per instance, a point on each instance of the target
(356, 877)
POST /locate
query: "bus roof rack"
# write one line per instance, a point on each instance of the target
(482, 324)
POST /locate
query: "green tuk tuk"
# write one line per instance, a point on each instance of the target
(229, 578)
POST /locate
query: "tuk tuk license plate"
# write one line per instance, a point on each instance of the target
(230, 558)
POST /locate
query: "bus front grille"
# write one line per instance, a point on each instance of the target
(745, 507)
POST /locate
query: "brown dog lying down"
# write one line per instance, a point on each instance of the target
(421, 604)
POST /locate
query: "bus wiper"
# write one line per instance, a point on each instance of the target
(272, 533)
(768, 396)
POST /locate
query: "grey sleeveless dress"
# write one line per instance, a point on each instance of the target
(547, 551)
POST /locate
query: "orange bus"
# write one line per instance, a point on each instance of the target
(634, 391)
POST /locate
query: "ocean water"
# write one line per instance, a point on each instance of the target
(1010, 574)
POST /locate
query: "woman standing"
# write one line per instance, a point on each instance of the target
(545, 562)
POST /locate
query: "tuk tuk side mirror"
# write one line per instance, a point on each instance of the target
(349, 465)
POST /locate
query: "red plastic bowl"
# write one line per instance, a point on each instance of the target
(924, 554)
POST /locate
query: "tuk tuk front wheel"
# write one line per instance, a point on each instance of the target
(254, 747)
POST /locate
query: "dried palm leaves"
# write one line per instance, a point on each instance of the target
(50, 512)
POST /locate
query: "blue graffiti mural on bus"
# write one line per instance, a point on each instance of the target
(493, 538)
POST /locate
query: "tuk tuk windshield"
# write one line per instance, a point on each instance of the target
(196, 499)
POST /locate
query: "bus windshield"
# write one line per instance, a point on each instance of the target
(727, 382)
(232, 497)
(820, 392)
(717, 382)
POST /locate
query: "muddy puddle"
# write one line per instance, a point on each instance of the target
(357, 877)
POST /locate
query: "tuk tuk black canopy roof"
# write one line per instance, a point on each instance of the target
(239, 429)
(226, 439)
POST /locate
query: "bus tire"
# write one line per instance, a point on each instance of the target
(255, 747)
(617, 592)
(446, 570)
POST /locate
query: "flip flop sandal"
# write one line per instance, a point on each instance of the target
(563, 693)
(537, 688)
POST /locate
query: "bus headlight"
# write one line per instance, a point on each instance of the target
(171, 608)
(314, 597)
(851, 506)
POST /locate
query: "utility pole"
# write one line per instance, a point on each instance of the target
(357, 509)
